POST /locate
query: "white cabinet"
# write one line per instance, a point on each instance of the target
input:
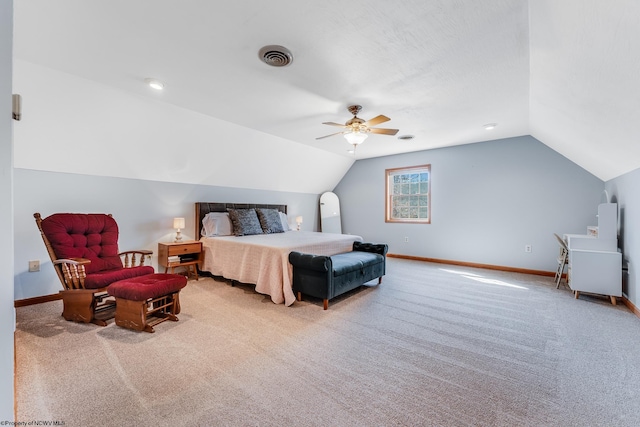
(607, 221)
(601, 237)
(598, 272)
(595, 264)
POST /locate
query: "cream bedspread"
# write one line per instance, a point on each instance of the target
(263, 259)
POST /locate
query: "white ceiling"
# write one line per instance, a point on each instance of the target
(564, 71)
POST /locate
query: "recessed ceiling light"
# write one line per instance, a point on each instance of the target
(490, 126)
(154, 83)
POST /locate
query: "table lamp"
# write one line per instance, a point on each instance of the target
(178, 224)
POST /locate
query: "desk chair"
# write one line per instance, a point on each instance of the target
(563, 259)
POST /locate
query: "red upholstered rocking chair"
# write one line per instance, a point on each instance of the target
(84, 251)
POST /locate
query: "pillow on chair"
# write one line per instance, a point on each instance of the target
(90, 236)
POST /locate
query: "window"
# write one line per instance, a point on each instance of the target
(408, 194)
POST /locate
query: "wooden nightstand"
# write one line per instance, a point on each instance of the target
(189, 253)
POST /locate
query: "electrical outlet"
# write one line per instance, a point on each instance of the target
(406, 240)
(34, 266)
(527, 248)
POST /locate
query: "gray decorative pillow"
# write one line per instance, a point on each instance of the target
(245, 222)
(270, 220)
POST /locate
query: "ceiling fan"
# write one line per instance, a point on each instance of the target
(356, 130)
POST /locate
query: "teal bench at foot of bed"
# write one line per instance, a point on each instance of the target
(326, 277)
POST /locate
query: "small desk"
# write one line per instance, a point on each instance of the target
(595, 263)
(190, 253)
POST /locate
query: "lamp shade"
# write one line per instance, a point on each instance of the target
(355, 138)
(298, 220)
(178, 223)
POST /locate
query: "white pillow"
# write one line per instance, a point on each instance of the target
(285, 222)
(216, 224)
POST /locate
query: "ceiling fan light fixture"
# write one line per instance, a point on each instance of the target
(356, 130)
(355, 138)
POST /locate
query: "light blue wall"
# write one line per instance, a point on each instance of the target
(624, 191)
(144, 211)
(489, 200)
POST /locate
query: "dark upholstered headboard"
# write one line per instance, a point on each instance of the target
(203, 208)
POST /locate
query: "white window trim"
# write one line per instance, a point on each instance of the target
(387, 196)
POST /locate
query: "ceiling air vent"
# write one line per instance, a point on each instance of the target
(276, 56)
(405, 137)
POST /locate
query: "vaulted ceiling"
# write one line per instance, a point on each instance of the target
(563, 71)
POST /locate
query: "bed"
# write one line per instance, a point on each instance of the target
(263, 259)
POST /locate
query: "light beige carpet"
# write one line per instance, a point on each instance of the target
(433, 345)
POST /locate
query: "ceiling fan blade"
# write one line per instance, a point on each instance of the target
(376, 120)
(334, 124)
(384, 131)
(327, 136)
